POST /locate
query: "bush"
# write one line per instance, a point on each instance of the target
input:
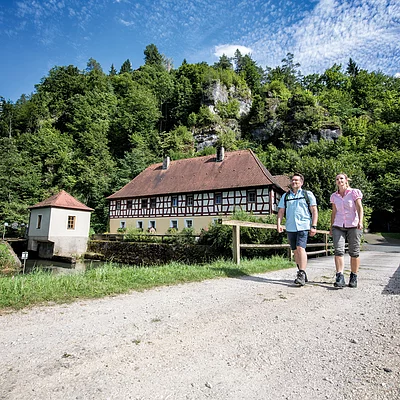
(8, 264)
(219, 237)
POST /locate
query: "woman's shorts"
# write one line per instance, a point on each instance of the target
(353, 236)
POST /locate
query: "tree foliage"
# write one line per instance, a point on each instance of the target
(90, 133)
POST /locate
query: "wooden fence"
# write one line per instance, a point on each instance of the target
(237, 245)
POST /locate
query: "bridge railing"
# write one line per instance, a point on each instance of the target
(237, 246)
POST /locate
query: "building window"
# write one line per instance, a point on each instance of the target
(118, 205)
(189, 200)
(153, 202)
(122, 224)
(139, 225)
(188, 223)
(144, 203)
(174, 201)
(251, 196)
(71, 222)
(174, 224)
(39, 221)
(218, 198)
(152, 227)
(129, 204)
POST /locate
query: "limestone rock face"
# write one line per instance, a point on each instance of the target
(218, 92)
(209, 136)
(268, 131)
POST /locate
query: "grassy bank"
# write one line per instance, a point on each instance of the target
(8, 264)
(42, 287)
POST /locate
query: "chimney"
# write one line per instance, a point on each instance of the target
(166, 162)
(220, 154)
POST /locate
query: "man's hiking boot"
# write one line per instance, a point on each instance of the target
(301, 278)
(339, 283)
(353, 280)
(305, 273)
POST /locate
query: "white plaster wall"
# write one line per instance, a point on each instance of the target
(43, 232)
(59, 223)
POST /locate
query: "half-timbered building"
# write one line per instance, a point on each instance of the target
(192, 193)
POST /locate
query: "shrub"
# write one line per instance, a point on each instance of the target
(8, 264)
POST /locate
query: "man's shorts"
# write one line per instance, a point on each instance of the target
(297, 239)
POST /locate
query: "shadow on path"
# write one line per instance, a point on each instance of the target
(239, 274)
(393, 286)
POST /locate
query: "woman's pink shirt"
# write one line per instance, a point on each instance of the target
(346, 211)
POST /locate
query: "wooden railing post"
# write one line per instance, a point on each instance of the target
(236, 246)
(236, 243)
(326, 244)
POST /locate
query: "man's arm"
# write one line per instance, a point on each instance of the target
(314, 220)
(281, 213)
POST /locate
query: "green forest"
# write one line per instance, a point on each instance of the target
(90, 132)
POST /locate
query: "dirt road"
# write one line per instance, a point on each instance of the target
(257, 337)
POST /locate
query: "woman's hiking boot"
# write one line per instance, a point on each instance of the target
(301, 278)
(339, 283)
(353, 280)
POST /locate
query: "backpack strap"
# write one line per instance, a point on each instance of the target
(306, 198)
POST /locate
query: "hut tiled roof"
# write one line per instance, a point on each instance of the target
(283, 180)
(62, 200)
(239, 169)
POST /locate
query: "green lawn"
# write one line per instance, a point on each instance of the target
(391, 235)
(42, 287)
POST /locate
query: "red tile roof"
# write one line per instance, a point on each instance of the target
(283, 181)
(62, 200)
(239, 169)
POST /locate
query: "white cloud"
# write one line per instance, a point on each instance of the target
(126, 23)
(230, 49)
(397, 75)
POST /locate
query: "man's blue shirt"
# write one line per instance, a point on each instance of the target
(298, 216)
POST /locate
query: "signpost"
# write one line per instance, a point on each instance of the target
(4, 229)
(24, 257)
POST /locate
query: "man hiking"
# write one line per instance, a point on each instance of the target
(300, 207)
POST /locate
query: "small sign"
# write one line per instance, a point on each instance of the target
(24, 255)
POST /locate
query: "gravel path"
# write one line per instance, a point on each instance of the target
(258, 337)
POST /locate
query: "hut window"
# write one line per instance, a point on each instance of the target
(39, 221)
(71, 222)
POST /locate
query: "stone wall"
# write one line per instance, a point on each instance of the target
(149, 253)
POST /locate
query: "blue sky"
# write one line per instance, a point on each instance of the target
(37, 35)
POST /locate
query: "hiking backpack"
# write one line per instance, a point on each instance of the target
(306, 198)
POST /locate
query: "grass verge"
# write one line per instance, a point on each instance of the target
(42, 287)
(391, 235)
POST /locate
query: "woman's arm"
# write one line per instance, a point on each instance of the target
(360, 212)
(333, 215)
